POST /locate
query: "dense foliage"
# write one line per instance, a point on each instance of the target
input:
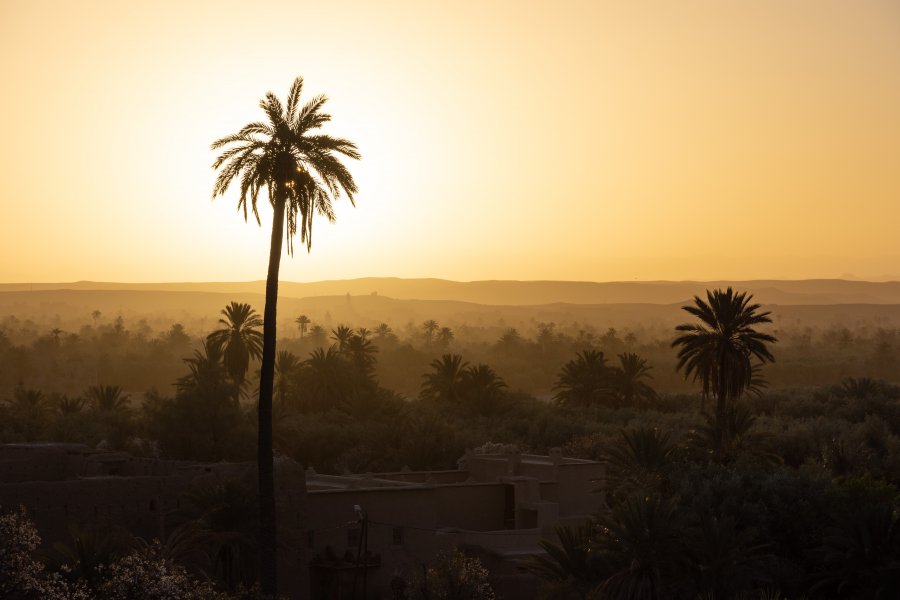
(800, 498)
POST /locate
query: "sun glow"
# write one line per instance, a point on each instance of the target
(508, 140)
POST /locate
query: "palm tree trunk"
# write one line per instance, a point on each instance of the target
(721, 410)
(268, 575)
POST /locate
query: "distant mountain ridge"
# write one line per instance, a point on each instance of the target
(525, 293)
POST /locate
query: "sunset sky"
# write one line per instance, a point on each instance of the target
(501, 140)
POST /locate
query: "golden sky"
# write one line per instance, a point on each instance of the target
(501, 140)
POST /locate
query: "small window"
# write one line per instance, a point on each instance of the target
(397, 538)
(353, 537)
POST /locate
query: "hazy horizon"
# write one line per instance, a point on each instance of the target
(848, 277)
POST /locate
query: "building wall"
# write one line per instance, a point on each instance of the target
(499, 505)
(62, 484)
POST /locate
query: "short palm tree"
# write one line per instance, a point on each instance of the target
(325, 378)
(584, 380)
(360, 352)
(286, 367)
(483, 388)
(69, 406)
(641, 540)
(107, 398)
(383, 331)
(429, 327)
(341, 335)
(640, 462)
(206, 371)
(444, 337)
(570, 569)
(721, 349)
(239, 340)
(446, 380)
(628, 379)
(302, 173)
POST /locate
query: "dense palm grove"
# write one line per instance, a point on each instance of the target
(756, 490)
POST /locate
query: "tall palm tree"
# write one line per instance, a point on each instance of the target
(722, 348)
(239, 340)
(302, 173)
(303, 322)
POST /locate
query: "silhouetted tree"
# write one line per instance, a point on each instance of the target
(341, 335)
(445, 382)
(482, 388)
(69, 406)
(361, 354)
(628, 379)
(860, 552)
(302, 173)
(584, 380)
(239, 340)
(721, 348)
(27, 410)
(444, 337)
(735, 438)
(202, 422)
(286, 367)
(545, 336)
(509, 342)
(429, 328)
(570, 568)
(325, 378)
(303, 322)
(106, 398)
(639, 462)
(641, 541)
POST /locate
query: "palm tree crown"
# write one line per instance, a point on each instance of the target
(239, 340)
(722, 348)
(584, 380)
(302, 322)
(445, 381)
(300, 169)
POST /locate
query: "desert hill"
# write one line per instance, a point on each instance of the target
(525, 293)
(70, 309)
